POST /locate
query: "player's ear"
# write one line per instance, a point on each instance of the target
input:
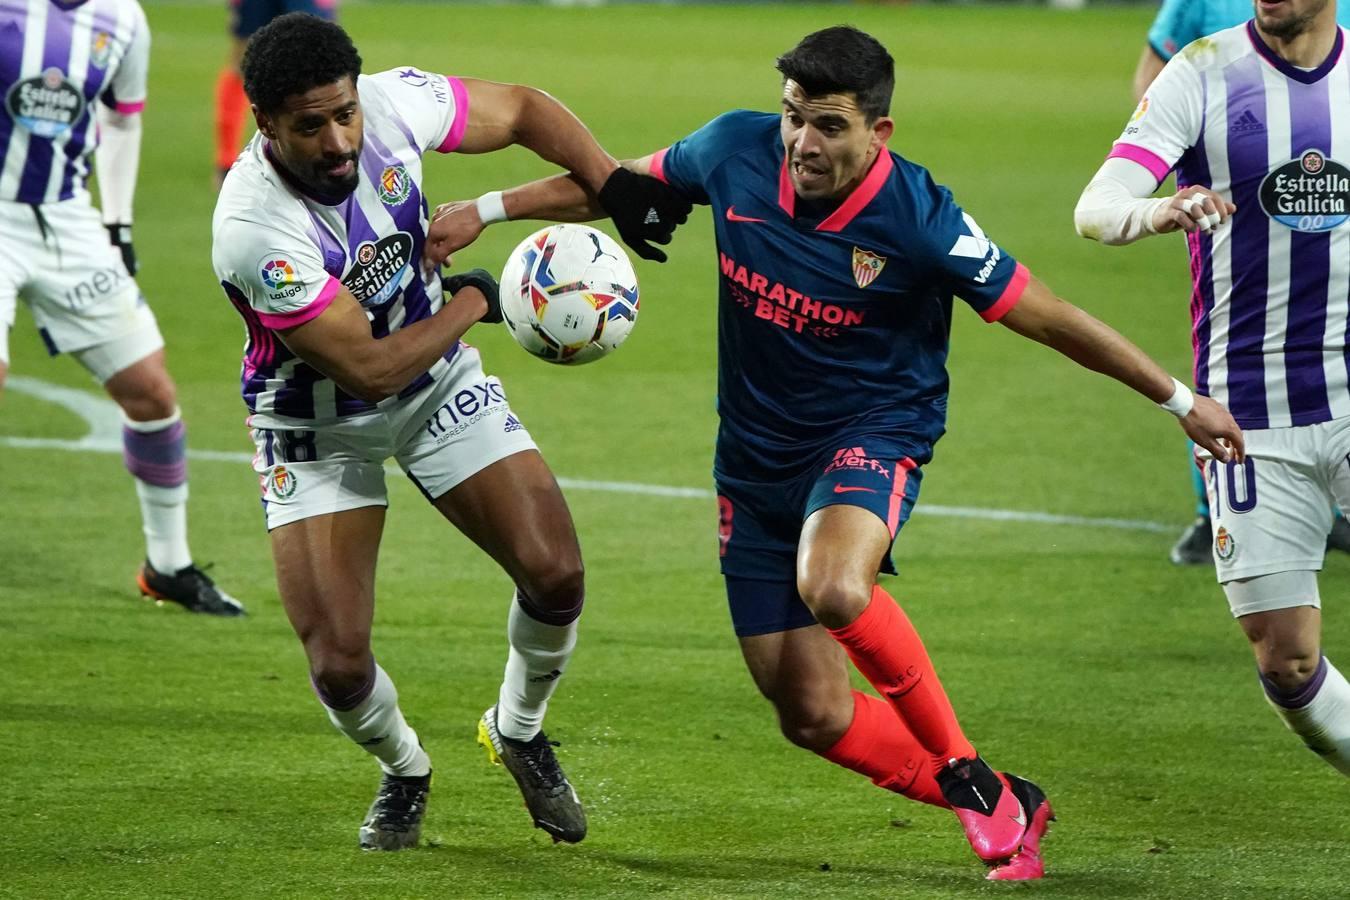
(264, 124)
(882, 129)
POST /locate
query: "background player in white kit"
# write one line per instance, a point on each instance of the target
(353, 356)
(1256, 121)
(70, 74)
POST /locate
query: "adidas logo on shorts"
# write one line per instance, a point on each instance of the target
(512, 424)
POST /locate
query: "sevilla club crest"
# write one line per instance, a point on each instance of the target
(866, 266)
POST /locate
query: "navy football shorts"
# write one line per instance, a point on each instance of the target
(760, 522)
(247, 16)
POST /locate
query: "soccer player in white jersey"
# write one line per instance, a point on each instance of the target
(1256, 122)
(72, 76)
(1177, 23)
(354, 356)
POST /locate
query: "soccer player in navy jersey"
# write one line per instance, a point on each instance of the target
(838, 260)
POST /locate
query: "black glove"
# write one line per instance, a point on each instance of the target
(481, 279)
(643, 209)
(120, 235)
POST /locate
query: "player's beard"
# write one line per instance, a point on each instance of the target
(330, 186)
(1290, 28)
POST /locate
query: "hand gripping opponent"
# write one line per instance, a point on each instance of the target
(643, 209)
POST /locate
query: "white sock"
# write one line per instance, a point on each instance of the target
(1322, 721)
(538, 657)
(164, 521)
(379, 727)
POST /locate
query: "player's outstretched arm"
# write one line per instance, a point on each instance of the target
(339, 344)
(1093, 344)
(559, 198)
(644, 210)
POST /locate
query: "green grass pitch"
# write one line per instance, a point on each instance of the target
(151, 754)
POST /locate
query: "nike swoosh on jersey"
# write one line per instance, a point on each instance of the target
(844, 489)
(733, 216)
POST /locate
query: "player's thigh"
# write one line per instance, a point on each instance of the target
(856, 507)
(459, 442)
(1272, 512)
(21, 251)
(1282, 615)
(306, 470)
(325, 567)
(803, 672)
(82, 297)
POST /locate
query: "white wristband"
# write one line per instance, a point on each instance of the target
(491, 208)
(1181, 402)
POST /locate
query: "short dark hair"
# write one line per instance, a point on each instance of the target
(841, 60)
(293, 54)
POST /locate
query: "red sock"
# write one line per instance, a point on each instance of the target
(231, 106)
(878, 745)
(889, 653)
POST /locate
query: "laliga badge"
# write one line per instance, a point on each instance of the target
(1225, 545)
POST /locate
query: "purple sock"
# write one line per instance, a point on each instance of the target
(1300, 696)
(156, 457)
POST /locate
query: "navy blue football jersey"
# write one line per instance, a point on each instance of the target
(831, 320)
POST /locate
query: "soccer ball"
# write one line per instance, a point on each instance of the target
(569, 294)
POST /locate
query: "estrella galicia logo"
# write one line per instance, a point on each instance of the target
(379, 267)
(394, 186)
(1311, 193)
(47, 105)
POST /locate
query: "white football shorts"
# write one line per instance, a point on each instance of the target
(457, 426)
(1273, 512)
(57, 259)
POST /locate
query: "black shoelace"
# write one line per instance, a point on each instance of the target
(543, 765)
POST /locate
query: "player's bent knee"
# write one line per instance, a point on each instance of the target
(556, 585)
(812, 721)
(834, 600)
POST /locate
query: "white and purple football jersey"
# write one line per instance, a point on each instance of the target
(282, 255)
(1270, 289)
(56, 61)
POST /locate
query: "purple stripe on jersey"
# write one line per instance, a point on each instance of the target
(347, 405)
(12, 22)
(334, 254)
(1250, 247)
(1193, 168)
(38, 167)
(1309, 270)
(75, 147)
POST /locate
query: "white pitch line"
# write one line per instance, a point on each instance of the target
(105, 436)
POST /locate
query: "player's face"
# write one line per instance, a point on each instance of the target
(317, 137)
(828, 142)
(1287, 19)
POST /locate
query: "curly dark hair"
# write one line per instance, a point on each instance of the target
(842, 60)
(293, 54)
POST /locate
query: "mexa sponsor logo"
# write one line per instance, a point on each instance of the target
(468, 407)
